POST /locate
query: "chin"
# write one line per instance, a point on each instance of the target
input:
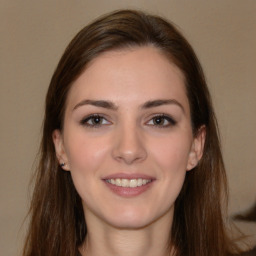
(132, 219)
(130, 223)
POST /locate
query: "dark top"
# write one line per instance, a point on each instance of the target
(250, 253)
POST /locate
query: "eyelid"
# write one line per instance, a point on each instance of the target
(85, 120)
(170, 119)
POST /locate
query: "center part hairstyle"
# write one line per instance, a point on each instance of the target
(57, 226)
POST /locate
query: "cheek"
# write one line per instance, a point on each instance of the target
(172, 159)
(85, 153)
(85, 156)
(172, 154)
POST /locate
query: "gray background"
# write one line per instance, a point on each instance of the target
(33, 37)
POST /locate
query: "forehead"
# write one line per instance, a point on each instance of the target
(141, 73)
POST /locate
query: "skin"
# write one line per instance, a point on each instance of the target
(130, 139)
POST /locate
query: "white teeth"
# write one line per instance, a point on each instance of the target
(126, 183)
(144, 182)
(118, 182)
(140, 182)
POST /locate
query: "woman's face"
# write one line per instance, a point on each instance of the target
(127, 137)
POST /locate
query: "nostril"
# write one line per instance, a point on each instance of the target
(130, 157)
(129, 151)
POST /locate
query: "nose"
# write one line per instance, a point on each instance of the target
(129, 146)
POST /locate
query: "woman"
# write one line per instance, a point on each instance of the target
(130, 156)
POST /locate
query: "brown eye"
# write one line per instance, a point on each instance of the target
(94, 121)
(159, 120)
(162, 121)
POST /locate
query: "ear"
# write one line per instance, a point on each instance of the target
(60, 150)
(197, 149)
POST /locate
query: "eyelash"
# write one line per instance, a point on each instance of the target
(86, 120)
(170, 120)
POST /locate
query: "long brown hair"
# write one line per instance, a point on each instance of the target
(57, 221)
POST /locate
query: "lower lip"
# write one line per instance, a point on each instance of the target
(128, 192)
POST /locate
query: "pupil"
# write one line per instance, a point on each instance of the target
(96, 120)
(158, 120)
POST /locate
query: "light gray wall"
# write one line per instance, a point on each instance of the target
(33, 37)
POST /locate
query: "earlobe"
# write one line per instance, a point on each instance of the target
(197, 149)
(59, 149)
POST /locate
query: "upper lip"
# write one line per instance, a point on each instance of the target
(128, 176)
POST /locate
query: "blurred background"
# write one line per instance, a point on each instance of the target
(34, 34)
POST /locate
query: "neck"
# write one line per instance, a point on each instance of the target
(107, 240)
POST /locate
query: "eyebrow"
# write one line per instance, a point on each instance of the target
(110, 105)
(97, 103)
(160, 102)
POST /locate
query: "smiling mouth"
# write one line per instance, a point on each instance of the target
(129, 183)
